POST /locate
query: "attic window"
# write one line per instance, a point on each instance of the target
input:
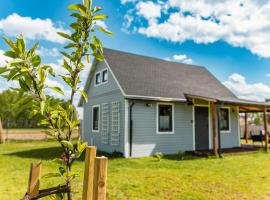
(98, 78)
(104, 76)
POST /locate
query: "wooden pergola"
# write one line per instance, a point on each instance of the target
(245, 106)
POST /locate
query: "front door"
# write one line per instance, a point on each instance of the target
(201, 128)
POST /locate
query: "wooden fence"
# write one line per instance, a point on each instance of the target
(94, 184)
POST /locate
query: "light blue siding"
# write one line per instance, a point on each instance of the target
(232, 138)
(146, 141)
(104, 93)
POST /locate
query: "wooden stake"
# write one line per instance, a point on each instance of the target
(246, 128)
(100, 178)
(265, 118)
(34, 179)
(90, 157)
(214, 127)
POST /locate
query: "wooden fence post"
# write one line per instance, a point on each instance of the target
(90, 157)
(100, 178)
(34, 179)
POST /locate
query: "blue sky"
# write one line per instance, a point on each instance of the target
(230, 38)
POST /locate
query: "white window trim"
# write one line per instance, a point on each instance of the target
(96, 106)
(157, 119)
(101, 77)
(96, 79)
(229, 111)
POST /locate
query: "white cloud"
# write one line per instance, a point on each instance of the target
(148, 10)
(239, 23)
(241, 88)
(267, 75)
(182, 58)
(128, 1)
(53, 52)
(3, 58)
(32, 29)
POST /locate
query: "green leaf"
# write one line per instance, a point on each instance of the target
(98, 56)
(3, 70)
(78, 7)
(42, 107)
(64, 35)
(57, 89)
(21, 45)
(105, 31)
(84, 95)
(49, 133)
(99, 17)
(70, 45)
(32, 51)
(67, 144)
(11, 54)
(16, 61)
(96, 9)
(10, 43)
(66, 55)
(36, 60)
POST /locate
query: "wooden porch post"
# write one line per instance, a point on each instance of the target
(214, 127)
(218, 130)
(1, 133)
(246, 128)
(265, 118)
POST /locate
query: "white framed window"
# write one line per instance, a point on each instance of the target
(97, 78)
(165, 118)
(105, 76)
(95, 118)
(115, 133)
(225, 120)
(105, 123)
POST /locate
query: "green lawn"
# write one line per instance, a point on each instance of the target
(245, 176)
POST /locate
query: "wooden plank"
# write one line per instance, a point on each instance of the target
(265, 119)
(246, 128)
(214, 127)
(100, 178)
(34, 179)
(90, 157)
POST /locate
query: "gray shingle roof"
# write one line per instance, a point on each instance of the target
(151, 77)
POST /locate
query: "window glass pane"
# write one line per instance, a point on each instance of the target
(224, 119)
(105, 76)
(165, 118)
(98, 78)
(96, 118)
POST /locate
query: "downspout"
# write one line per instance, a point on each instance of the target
(218, 130)
(130, 128)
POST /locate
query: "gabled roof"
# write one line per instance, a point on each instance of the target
(142, 77)
(151, 77)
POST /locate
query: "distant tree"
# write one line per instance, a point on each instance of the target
(16, 109)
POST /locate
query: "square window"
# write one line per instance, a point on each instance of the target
(224, 119)
(165, 118)
(105, 76)
(98, 78)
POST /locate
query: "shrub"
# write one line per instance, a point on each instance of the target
(181, 155)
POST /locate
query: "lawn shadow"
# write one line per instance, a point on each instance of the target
(50, 153)
(41, 154)
(188, 155)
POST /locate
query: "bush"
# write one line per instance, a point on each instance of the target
(159, 156)
(181, 155)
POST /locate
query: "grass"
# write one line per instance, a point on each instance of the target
(238, 176)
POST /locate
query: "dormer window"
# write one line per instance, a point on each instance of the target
(105, 76)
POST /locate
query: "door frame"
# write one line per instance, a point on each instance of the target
(209, 124)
